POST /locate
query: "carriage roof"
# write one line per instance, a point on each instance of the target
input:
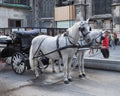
(29, 32)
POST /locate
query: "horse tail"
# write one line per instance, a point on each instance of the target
(31, 58)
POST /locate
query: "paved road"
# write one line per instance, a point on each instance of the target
(114, 54)
(96, 83)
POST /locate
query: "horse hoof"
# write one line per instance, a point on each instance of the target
(62, 64)
(83, 75)
(53, 71)
(70, 80)
(41, 72)
(80, 76)
(66, 82)
(60, 71)
(37, 77)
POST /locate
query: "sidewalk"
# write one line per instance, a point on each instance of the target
(97, 61)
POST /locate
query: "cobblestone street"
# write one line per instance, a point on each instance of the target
(96, 83)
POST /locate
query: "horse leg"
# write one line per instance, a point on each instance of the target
(65, 62)
(59, 65)
(79, 63)
(53, 65)
(35, 61)
(41, 65)
(69, 68)
(82, 65)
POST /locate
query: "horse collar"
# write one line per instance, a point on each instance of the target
(66, 33)
(57, 43)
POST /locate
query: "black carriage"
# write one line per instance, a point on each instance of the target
(18, 48)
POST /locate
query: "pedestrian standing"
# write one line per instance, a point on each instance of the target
(105, 46)
(112, 41)
(115, 37)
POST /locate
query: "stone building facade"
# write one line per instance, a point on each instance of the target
(15, 13)
(103, 14)
(43, 13)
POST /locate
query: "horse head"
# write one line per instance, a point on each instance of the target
(85, 29)
(80, 29)
(96, 36)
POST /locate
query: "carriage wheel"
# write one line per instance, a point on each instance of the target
(18, 64)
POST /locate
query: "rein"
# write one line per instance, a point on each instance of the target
(67, 35)
(39, 48)
(69, 46)
(98, 37)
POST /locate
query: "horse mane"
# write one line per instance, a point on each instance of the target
(72, 29)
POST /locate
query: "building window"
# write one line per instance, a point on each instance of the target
(116, 1)
(64, 2)
(23, 2)
(46, 8)
(14, 23)
(101, 7)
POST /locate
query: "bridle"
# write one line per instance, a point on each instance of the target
(82, 29)
(101, 38)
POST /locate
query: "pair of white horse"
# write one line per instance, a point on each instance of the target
(61, 46)
(78, 58)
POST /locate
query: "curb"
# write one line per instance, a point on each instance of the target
(111, 65)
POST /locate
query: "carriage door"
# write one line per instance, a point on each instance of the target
(14, 23)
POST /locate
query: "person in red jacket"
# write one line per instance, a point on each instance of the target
(105, 46)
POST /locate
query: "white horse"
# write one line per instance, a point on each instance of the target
(96, 36)
(58, 47)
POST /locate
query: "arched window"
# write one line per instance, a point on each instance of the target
(46, 8)
(116, 1)
(101, 7)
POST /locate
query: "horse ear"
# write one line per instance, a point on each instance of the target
(87, 20)
(81, 19)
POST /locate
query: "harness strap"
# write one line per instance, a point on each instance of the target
(98, 37)
(66, 34)
(62, 48)
(57, 43)
(39, 50)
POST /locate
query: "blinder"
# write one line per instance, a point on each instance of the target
(102, 38)
(90, 29)
(81, 29)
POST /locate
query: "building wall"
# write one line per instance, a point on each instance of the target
(116, 18)
(43, 13)
(12, 13)
(64, 13)
(16, 13)
(65, 24)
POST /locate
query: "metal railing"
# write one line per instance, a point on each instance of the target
(46, 31)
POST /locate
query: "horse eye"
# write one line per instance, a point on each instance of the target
(88, 40)
(90, 29)
(81, 29)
